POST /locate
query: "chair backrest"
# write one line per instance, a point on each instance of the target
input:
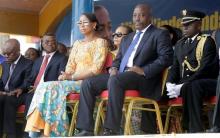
(108, 62)
(164, 79)
(0, 71)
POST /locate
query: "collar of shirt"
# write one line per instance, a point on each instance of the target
(194, 37)
(51, 54)
(16, 61)
(131, 58)
(144, 30)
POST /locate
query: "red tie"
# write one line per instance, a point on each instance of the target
(42, 70)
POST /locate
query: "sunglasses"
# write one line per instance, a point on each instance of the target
(118, 34)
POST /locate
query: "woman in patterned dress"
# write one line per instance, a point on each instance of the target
(47, 113)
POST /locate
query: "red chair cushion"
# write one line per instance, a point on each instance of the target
(176, 101)
(128, 93)
(21, 109)
(211, 100)
(73, 96)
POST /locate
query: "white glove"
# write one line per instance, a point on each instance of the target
(170, 86)
(175, 92)
(172, 94)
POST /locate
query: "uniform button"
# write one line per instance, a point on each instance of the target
(187, 75)
(187, 69)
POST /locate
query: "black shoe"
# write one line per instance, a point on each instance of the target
(214, 129)
(109, 132)
(84, 133)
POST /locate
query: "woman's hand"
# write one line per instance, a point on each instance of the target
(64, 76)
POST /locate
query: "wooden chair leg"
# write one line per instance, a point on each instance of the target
(99, 116)
(159, 120)
(127, 128)
(74, 110)
(167, 120)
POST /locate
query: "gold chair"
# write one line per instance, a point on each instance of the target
(129, 94)
(175, 104)
(72, 103)
(0, 70)
(73, 98)
(145, 101)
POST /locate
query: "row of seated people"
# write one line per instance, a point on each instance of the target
(34, 53)
(138, 67)
(86, 59)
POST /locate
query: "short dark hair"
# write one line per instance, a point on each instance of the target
(92, 18)
(34, 49)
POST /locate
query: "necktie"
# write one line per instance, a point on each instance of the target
(42, 70)
(124, 60)
(12, 67)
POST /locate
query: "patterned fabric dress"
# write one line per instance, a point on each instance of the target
(47, 111)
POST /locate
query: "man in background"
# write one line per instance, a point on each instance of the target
(15, 71)
(46, 68)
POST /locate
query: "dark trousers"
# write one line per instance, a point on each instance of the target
(216, 115)
(28, 100)
(116, 86)
(8, 109)
(193, 94)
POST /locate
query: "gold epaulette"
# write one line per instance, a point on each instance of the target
(199, 53)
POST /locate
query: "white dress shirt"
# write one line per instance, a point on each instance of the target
(51, 55)
(131, 58)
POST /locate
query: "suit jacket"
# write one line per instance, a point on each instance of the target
(53, 69)
(209, 62)
(19, 76)
(153, 55)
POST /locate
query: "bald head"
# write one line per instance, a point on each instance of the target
(141, 16)
(145, 7)
(12, 43)
(11, 50)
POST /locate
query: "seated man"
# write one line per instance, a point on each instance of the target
(15, 70)
(142, 57)
(194, 71)
(46, 68)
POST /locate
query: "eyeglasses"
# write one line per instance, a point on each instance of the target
(49, 41)
(118, 34)
(83, 23)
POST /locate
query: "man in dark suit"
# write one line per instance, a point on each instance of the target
(194, 70)
(142, 57)
(46, 68)
(15, 71)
